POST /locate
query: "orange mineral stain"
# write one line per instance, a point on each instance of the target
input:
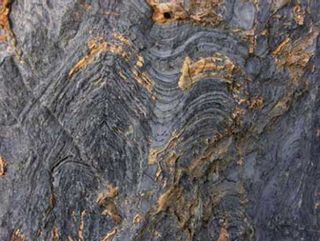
(3, 166)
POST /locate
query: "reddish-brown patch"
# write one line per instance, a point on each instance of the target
(112, 211)
(154, 153)
(215, 150)
(281, 47)
(203, 12)
(17, 236)
(106, 200)
(137, 219)
(256, 102)
(6, 32)
(298, 14)
(167, 198)
(4, 14)
(110, 193)
(3, 38)
(97, 46)
(120, 46)
(81, 228)
(218, 66)
(55, 234)
(3, 166)
(224, 235)
(295, 55)
(143, 79)
(122, 38)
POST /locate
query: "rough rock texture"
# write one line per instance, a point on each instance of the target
(159, 120)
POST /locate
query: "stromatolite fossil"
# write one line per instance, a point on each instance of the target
(159, 120)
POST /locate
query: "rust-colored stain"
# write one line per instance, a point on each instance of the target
(203, 12)
(4, 15)
(55, 234)
(3, 38)
(17, 236)
(224, 235)
(137, 219)
(217, 66)
(281, 47)
(167, 198)
(173, 158)
(278, 109)
(97, 46)
(106, 200)
(251, 39)
(140, 61)
(120, 46)
(237, 115)
(154, 153)
(170, 159)
(110, 193)
(81, 227)
(109, 236)
(215, 150)
(122, 38)
(167, 12)
(112, 211)
(3, 166)
(185, 206)
(256, 102)
(295, 55)
(143, 79)
(298, 14)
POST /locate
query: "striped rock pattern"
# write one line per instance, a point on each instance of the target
(159, 120)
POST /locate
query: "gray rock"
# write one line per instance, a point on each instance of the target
(127, 120)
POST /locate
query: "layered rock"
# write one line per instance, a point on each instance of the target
(159, 120)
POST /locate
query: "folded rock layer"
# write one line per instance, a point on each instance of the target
(159, 120)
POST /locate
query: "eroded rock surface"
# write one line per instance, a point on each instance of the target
(159, 120)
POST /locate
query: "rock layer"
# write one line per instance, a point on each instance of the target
(159, 120)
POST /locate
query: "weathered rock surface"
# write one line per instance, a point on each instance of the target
(159, 120)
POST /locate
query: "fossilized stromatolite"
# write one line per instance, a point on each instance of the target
(159, 120)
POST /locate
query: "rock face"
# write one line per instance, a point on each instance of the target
(159, 120)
